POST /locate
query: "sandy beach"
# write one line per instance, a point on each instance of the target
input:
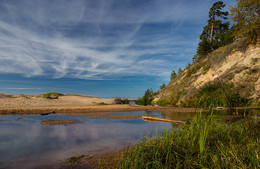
(72, 104)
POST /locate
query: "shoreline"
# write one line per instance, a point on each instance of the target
(73, 104)
(91, 109)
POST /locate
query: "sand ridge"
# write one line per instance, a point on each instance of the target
(38, 102)
(72, 104)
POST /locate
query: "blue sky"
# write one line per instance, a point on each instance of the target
(103, 48)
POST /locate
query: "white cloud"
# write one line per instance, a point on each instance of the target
(20, 88)
(93, 39)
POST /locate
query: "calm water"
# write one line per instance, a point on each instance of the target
(25, 143)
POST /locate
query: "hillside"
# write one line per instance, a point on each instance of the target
(228, 74)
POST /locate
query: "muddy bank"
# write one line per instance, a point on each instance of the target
(111, 116)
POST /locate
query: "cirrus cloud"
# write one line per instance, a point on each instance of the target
(99, 39)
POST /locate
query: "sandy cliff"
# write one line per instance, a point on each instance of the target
(235, 64)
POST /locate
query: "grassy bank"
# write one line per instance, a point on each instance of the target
(205, 143)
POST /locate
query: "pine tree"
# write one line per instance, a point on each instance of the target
(215, 11)
(173, 75)
(215, 34)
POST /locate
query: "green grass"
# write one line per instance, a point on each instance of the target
(205, 143)
(101, 103)
(212, 94)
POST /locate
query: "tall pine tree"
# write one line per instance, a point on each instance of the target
(215, 32)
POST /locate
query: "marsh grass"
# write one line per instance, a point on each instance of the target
(205, 143)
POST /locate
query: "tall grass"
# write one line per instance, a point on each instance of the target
(205, 143)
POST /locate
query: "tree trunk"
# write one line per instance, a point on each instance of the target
(211, 34)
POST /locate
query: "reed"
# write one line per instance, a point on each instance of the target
(205, 143)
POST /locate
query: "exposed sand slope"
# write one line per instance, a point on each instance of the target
(229, 63)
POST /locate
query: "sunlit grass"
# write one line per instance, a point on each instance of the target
(205, 143)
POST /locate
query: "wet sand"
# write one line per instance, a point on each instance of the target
(73, 104)
(111, 116)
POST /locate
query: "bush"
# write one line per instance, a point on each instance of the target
(102, 103)
(213, 95)
(119, 100)
(52, 95)
(206, 68)
(147, 98)
(162, 86)
(189, 72)
(165, 102)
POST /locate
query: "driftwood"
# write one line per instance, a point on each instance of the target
(44, 114)
(148, 118)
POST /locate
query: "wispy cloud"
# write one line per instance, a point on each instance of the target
(20, 88)
(98, 39)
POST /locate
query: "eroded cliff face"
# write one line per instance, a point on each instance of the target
(235, 64)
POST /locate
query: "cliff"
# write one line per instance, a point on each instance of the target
(229, 71)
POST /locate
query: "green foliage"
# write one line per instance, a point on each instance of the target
(180, 71)
(162, 86)
(146, 99)
(188, 66)
(119, 100)
(188, 73)
(173, 75)
(205, 143)
(203, 48)
(245, 16)
(206, 68)
(212, 95)
(100, 103)
(52, 95)
(166, 102)
(215, 34)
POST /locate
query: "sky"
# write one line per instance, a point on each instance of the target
(102, 48)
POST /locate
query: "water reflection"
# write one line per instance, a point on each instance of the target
(27, 143)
